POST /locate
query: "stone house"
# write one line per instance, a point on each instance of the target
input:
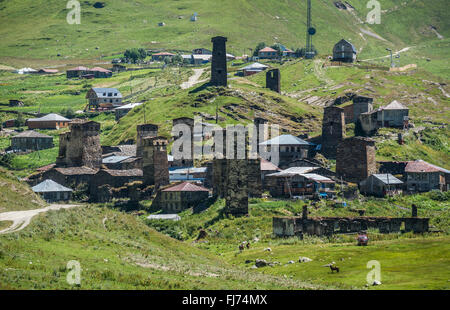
(52, 191)
(71, 177)
(381, 185)
(267, 168)
(31, 140)
(422, 177)
(104, 97)
(115, 178)
(181, 196)
(393, 115)
(267, 53)
(253, 69)
(49, 121)
(344, 51)
(359, 105)
(161, 56)
(99, 72)
(290, 148)
(77, 72)
(355, 160)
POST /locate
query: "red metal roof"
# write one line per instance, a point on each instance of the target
(423, 166)
(163, 54)
(186, 187)
(100, 69)
(268, 49)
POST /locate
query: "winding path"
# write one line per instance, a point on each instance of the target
(22, 219)
(193, 79)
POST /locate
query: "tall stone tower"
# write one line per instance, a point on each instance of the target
(262, 130)
(333, 130)
(355, 160)
(81, 145)
(219, 62)
(185, 161)
(273, 80)
(144, 131)
(155, 164)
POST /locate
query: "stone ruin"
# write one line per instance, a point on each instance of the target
(144, 131)
(333, 130)
(155, 164)
(273, 80)
(327, 226)
(81, 145)
(355, 160)
(219, 62)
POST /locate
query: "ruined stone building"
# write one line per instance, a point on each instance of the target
(219, 62)
(155, 163)
(188, 160)
(273, 80)
(355, 160)
(144, 131)
(81, 145)
(113, 178)
(333, 130)
(360, 105)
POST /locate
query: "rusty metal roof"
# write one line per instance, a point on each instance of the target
(186, 187)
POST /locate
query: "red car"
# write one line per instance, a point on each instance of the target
(362, 239)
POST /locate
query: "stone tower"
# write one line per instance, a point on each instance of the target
(144, 131)
(187, 161)
(273, 80)
(155, 164)
(81, 145)
(262, 130)
(219, 62)
(333, 130)
(355, 160)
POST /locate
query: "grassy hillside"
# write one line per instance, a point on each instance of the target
(43, 31)
(16, 195)
(116, 251)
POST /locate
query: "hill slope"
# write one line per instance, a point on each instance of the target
(41, 30)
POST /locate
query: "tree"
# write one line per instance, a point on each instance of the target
(142, 53)
(132, 54)
(259, 47)
(277, 47)
(301, 52)
(20, 120)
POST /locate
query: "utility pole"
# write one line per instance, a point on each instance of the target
(392, 59)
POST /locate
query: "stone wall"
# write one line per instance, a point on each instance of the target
(355, 160)
(81, 145)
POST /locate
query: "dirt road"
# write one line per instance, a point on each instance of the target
(22, 219)
(193, 79)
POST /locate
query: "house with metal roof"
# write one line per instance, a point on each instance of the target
(267, 53)
(253, 68)
(290, 148)
(381, 185)
(104, 97)
(299, 181)
(31, 140)
(49, 121)
(423, 177)
(344, 51)
(176, 198)
(52, 191)
(394, 115)
(187, 174)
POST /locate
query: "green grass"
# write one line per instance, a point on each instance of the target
(121, 254)
(44, 33)
(16, 195)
